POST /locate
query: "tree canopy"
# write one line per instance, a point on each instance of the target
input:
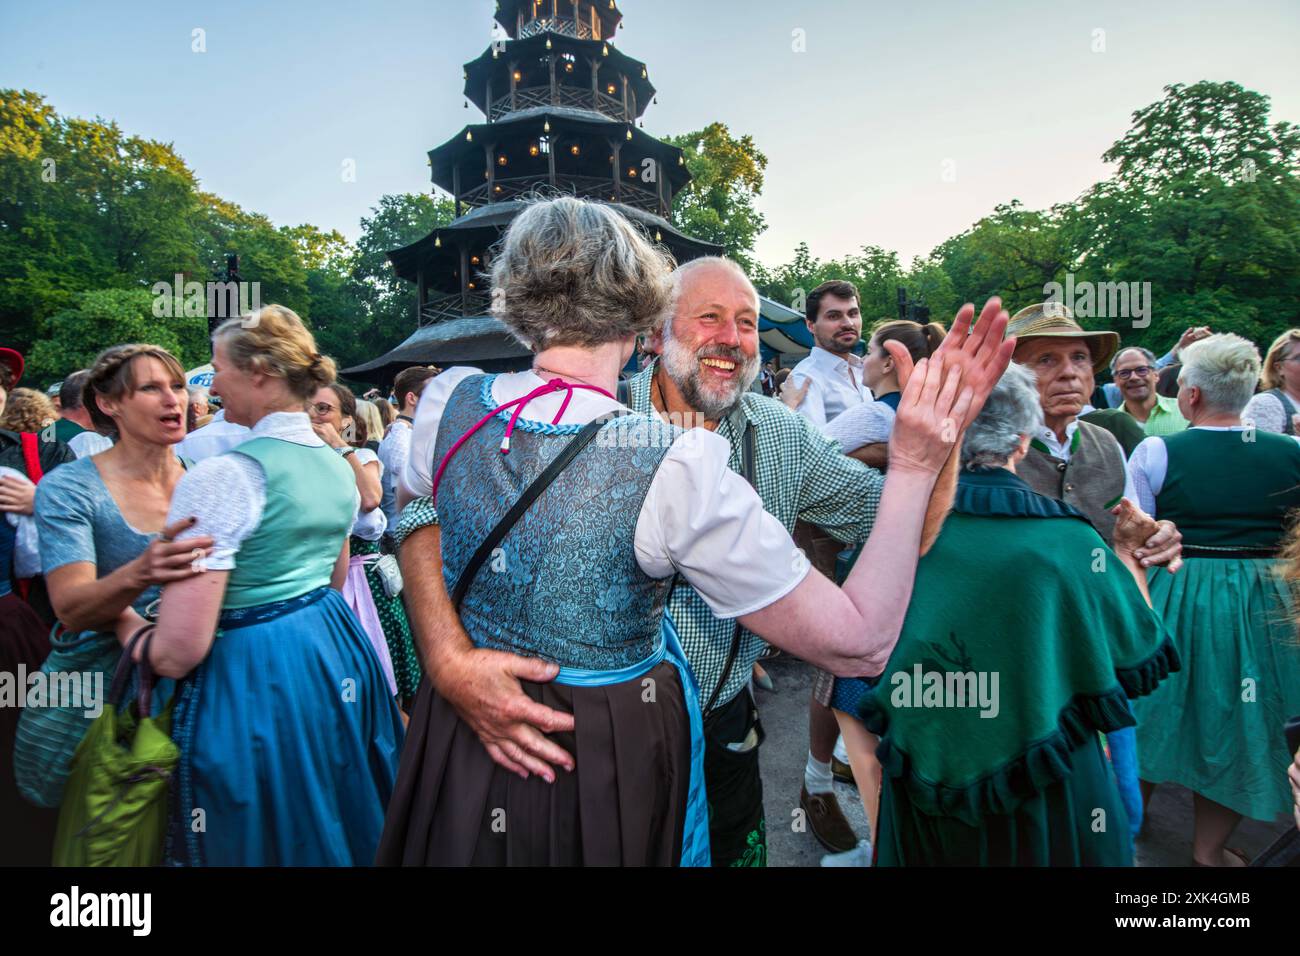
(1202, 207)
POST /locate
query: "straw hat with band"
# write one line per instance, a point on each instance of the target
(1053, 320)
(15, 362)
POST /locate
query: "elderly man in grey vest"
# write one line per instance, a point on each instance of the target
(1072, 460)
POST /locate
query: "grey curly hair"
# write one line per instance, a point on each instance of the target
(1013, 409)
(571, 272)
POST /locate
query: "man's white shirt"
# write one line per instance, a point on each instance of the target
(835, 385)
(215, 438)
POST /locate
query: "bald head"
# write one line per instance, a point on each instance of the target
(712, 276)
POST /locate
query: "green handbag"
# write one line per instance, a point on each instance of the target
(48, 736)
(115, 803)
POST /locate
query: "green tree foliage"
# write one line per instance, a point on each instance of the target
(84, 206)
(1012, 253)
(72, 337)
(718, 203)
(1205, 206)
(397, 221)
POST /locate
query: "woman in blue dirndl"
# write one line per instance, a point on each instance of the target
(288, 731)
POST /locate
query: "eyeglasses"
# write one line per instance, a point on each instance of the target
(1142, 371)
(321, 408)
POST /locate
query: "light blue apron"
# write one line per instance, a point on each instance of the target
(695, 833)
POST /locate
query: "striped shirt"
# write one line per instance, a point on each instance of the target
(800, 474)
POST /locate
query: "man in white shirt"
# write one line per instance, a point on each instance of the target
(396, 446)
(833, 377)
(215, 438)
(833, 373)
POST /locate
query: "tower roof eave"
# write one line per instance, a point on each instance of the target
(507, 14)
(444, 157)
(493, 219)
(477, 71)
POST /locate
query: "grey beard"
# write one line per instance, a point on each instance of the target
(683, 367)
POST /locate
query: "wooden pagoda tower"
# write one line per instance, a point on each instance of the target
(561, 108)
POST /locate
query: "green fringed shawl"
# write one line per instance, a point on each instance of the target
(1019, 586)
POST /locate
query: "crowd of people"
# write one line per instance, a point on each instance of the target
(517, 618)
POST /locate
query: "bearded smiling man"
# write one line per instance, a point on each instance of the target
(710, 357)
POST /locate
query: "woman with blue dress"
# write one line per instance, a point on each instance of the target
(289, 735)
(101, 523)
(580, 574)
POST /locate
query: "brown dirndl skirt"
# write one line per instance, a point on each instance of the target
(26, 831)
(624, 804)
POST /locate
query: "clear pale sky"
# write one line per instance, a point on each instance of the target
(859, 129)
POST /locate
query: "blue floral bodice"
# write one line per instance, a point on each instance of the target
(564, 584)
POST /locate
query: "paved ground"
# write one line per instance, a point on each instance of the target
(1166, 840)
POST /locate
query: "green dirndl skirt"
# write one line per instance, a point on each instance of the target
(1075, 821)
(1216, 726)
(397, 629)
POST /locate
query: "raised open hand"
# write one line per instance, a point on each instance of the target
(978, 353)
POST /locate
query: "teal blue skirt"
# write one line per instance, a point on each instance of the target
(1216, 726)
(289, 741)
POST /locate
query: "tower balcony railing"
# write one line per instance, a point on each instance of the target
(454, 306)
(530, 97)
(566, 26)
(584, 187)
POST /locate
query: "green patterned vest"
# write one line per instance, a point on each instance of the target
(310, 504)
(1092, 477)
(1230, 489)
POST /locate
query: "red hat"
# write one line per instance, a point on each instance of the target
(15, 362)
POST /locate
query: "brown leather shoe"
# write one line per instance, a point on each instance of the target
(827, 821)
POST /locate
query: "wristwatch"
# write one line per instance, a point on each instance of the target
(345, 451)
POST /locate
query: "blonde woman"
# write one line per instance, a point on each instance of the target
(1276, 406)
(370, 427)
(288, 732)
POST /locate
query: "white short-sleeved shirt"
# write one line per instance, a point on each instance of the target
(371, 525)
(698, 518)
(393, 452)
(215, 438)
(87, 443)
(227, 493)
(1267, 412)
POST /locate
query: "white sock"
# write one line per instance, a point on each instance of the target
(817, 776)
(840, 753)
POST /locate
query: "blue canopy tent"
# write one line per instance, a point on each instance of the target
(782, 332)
